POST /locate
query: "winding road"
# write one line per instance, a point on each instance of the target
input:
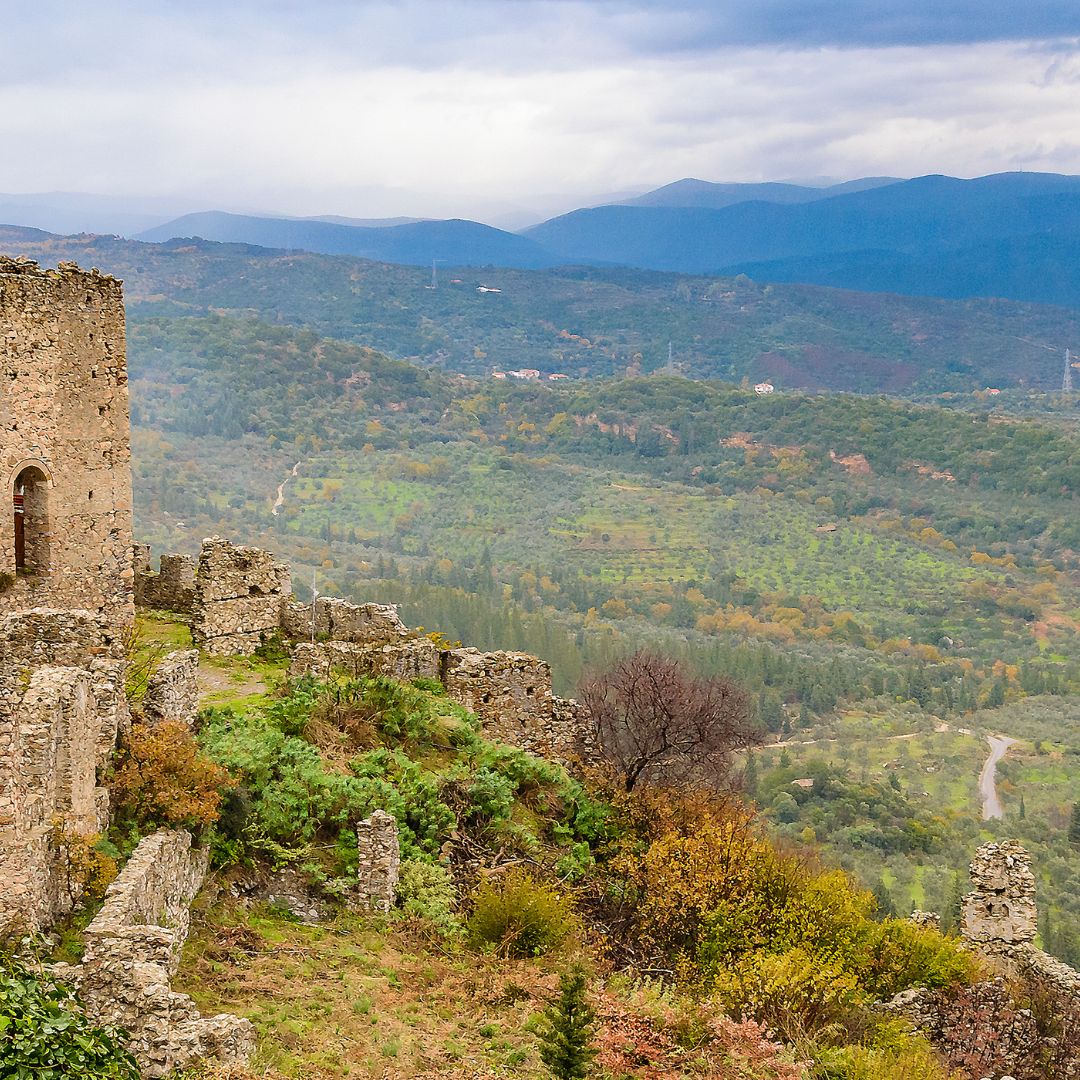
(279, 502)
(999, 747)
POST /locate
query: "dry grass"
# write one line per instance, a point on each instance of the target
(360, 998)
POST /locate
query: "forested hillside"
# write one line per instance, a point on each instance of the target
(588, 322)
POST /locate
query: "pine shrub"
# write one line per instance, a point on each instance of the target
(566, 1039)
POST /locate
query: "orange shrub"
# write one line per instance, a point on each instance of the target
(161, 777)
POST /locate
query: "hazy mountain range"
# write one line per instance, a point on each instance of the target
(1009, 235)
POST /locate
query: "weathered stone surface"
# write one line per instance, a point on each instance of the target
(380, 858)
(65, 439)
(61, 702)
(132, 951)
(172, 691)
(977, 1026)
(338, 620)
(1001, 911)
(409, 658)
(239, 593)
(509, 691)
(172, 588)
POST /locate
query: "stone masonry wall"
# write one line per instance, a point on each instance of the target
(243, 595)
(61, 707)
(133, 950)
(66, 435)
(172, 588)
(510, 692)
(402, 660)
(239, 593)
(338, 620)
(172, 691)
(1000, 913)
(981, 1027)
(379, 861)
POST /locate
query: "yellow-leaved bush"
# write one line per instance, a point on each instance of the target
(772, 937)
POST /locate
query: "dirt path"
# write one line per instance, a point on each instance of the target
(279, 502)
(999, 747)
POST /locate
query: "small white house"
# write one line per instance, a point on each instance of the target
(764, 388)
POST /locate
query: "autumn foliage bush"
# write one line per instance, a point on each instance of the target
(520, 915)
(162, 778)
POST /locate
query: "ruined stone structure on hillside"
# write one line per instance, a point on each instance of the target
(132, 952)
(239, 593)
(379, 859)
(999, 923)
(66, 604)
(65, 571)
(62, 707)
(243, 598)
(65, 445)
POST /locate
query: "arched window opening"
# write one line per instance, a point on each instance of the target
(31, 506)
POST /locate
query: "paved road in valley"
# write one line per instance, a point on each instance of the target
(999, 747)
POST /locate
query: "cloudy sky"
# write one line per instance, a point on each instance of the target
(486, 107)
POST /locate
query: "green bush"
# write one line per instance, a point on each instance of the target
(44, 1033)
(519, 915)
(427, 890)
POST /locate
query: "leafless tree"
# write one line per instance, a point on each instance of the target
(655, 721)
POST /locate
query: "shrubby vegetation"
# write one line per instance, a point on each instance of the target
(45, 1034)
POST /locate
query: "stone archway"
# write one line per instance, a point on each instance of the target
(30, 506)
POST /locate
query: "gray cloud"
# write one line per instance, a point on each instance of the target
(473, 107)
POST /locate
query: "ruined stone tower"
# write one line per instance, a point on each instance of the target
(65, 540)
(65, 572)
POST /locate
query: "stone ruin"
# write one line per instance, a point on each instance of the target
(65, 444)
(67, 583)
(1000, 915)
(999, 923)
(242, 597)
(239, 593)
(62, 706)
(172, 689)
(380, 858)
(132, 952)
(170, 588)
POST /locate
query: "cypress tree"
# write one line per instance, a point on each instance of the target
(1074, 826)
(566, 1047)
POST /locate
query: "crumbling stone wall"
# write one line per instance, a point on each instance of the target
(1000, 914)
(978, 1029)
(338, 620)
(380, 859)
(239, 593)
(61, 707)
(410, 658)
(509, 691)
(171, 588)
(66, 438)
(172, 690)
(132, 953)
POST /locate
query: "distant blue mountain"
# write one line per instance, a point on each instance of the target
(453, 242)
(703, 193)
(1013, 235)
(902, 217)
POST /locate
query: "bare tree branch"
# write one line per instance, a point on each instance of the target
(656, 722)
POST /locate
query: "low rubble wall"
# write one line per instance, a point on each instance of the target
(132, 952)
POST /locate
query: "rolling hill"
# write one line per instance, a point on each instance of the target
(586, 322)
(454, 242)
